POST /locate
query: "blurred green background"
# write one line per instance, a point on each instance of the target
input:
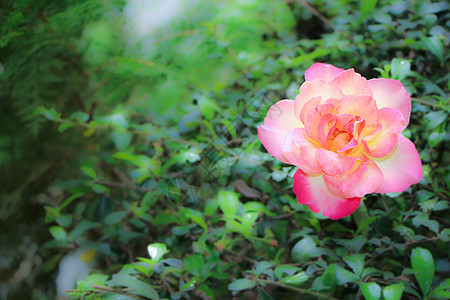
(125, 124)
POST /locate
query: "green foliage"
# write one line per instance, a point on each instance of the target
(145, 149)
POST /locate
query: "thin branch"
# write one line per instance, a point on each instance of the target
(293, 288)
(424, 102)
(122, 186)
(116, 291)
(407, 244)
(316, 13)
(244, 257)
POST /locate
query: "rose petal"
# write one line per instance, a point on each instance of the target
(359, 126)
(401, 168)
(325, 129)
(313, 89)
(335, 164)
(312, 191)
(362, 106)
(382, 143)
(365, 178)
(301, 108)
(346, 181)
(345, 122)
(351, 147)
(322, 71)
(391, 93)
(301, 152)
(351, 83)
(280, 120)
(314, 116)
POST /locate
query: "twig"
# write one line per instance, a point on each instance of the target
(315, 12)
(287, 253)
(293, 288)
(424, 102)
(407, 244)
(116, 291)
(122, 186)
(244, 257)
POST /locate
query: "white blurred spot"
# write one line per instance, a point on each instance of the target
(152, 251)
(119, 120)
(145, 16)
(71, 269)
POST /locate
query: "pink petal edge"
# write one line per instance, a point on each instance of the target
(401, 168)
(391, 93)
(280, 120)
(300, 152)
(322, 71)
(312, 191)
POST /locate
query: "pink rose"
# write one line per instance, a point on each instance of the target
(343, 132)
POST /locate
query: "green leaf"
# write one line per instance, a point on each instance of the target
(188, 286)
(148, 201)
(51, 114)
(195, 216)
(139, 287)
(257, 207)
(370, 290)
(89, 171)
(194, 264)
(400, 68)
(370, 272)
(70, 199)
(262, 266)
(165, 218)
(442, 290)
(435, 138)
(329, 277)
(207, 290)
(141, 161)
(354, 244)
(356, 262)
(115, 217)
(58, 233)
(156, 251)
(65, 220)
(249, 219)
(434, 119)
(241, 284)
(100, 189)
(121, 139)
(211, 207)
(230, 127)
(304, 249)
(344, 276)
(92, 279)
(424, 220)
(365, 223)
(423, 264)
(296, 279)
(393, 291)
(367, 7)
(82, 227)
(435, 45)
(263, 295)
(281, 270)
(228, 202)
(211, 129)
(64, 126)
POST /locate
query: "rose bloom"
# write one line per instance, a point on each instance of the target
(343, 132)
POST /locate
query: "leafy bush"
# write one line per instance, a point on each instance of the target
(147, 152)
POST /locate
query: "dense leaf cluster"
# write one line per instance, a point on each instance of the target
(144, 148)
